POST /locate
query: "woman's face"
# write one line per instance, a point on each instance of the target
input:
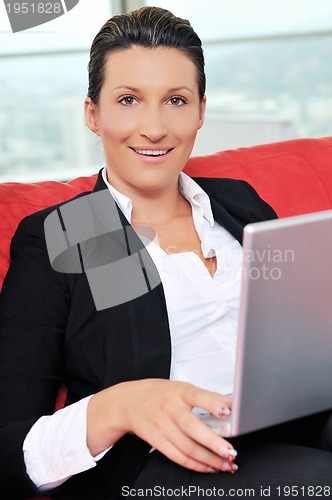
(148, 116)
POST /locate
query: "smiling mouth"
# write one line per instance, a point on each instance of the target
(152, 152)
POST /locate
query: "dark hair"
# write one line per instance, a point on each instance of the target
(148, 27)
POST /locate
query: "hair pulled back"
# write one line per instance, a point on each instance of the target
(148, 27)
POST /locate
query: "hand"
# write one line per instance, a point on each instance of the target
(159, 412)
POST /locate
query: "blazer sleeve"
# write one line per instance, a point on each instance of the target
(33, 312)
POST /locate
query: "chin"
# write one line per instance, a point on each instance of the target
(155, 182)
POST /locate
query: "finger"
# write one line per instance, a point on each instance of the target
(176, 455)
(183, 450)
(168, 440)
(216, 404)
(187, 461)
(200, 433)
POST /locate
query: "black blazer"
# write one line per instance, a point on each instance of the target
(50, 332)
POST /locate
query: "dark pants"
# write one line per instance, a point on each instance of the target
(286, 461)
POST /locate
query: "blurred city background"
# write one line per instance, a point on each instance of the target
(268, 66)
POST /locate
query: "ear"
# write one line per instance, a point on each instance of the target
(91, 115)
(202, 111)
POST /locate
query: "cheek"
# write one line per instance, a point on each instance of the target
(186, 125)
(187, 134)
(116, 127)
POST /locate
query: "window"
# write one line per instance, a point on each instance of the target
(266, 63)
(43, 83)
(268, 69)
(223, 20)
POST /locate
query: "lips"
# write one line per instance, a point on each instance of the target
(151, 152)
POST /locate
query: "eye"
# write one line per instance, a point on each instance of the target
(177, 101)
(127, 100)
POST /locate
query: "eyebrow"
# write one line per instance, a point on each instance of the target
(135, 89)
(176, 89)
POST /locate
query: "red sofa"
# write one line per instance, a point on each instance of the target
(294, 177)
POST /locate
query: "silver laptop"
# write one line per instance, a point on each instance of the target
(284, 353)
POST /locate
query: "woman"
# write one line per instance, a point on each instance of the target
(128, 421)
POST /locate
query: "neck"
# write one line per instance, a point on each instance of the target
(154, 207)
(159, 209)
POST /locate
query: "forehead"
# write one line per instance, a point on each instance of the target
(142, 67)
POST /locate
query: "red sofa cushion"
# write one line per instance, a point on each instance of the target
(293, 176)
(17, 200)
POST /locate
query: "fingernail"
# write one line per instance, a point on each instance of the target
(212, 470)
(232, 453)
(226, 452)
(230, 467)
(234, 468)
(223, 411)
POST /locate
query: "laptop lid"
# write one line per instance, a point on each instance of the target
(284, 352)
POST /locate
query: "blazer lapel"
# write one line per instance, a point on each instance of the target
(148, 319)
(226, 220)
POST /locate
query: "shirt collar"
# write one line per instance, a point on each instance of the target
(196, 196)
(124, 202)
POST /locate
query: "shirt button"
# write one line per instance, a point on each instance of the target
(220, 303)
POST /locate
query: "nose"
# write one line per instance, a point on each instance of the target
(152, 124)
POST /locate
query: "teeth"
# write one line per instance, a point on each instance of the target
(151, 152)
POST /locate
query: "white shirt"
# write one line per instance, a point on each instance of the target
(203, 318)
